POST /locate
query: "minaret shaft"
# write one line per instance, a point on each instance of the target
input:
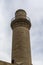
(21, 52)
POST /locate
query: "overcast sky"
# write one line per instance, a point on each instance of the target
(34, 9)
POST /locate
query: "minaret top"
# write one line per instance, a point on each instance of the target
(21, 19)
(20, 14)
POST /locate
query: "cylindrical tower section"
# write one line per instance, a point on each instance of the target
(21, 52)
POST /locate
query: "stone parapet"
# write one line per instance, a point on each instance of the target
(6, 63)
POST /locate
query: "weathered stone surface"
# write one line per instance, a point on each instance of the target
(21, 51)
(4, 63)
(20, 14)
(21, 45)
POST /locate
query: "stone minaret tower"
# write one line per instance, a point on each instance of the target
(21, 51)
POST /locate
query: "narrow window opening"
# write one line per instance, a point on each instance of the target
(12, 61)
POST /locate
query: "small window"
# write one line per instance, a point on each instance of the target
(12, 61)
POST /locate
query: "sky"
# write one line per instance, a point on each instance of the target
(34, 9)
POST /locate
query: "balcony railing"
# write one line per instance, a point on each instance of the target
(18, 18)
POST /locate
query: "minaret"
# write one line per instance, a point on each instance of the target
(21, 51)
